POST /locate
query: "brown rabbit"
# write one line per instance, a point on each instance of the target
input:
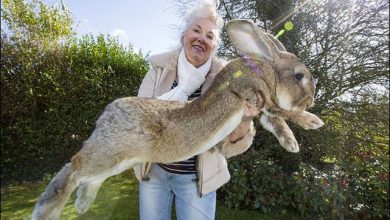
(133, 130)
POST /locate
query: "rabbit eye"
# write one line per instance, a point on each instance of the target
(299, 76)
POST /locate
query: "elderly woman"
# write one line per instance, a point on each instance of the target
(180, 75)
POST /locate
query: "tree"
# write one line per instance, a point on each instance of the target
(346, 46)
(345, 43)
(35, 23)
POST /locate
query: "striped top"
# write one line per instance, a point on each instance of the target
(187, 166)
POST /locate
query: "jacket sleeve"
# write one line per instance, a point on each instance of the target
(147, 88)
(229, 149)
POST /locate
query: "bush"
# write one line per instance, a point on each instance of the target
(259, 183)
(51, 98)
(348, 179)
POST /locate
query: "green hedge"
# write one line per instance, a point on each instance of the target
(259, 183)
(348, 179)
(51, 97)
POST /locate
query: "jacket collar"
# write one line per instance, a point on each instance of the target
(167, 59)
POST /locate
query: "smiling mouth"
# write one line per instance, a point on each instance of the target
(198, 48)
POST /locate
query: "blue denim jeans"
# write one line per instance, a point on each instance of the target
(157, 195)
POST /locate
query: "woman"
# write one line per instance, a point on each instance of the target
(182, 75)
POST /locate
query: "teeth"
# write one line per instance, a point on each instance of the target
(198, 47)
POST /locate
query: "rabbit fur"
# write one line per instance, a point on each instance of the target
(133, 129)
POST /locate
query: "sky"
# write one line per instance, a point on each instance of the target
(149, 25)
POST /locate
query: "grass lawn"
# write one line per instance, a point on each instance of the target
(117, 199)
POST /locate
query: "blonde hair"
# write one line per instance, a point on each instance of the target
(206, 9)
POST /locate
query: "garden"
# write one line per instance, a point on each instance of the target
(54, 85)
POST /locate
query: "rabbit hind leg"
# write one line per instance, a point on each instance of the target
(87, 191)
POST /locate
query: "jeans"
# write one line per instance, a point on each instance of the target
(157, 194)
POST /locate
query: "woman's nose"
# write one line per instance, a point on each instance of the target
(201, 38)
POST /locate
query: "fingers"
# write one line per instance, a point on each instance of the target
(253, 106)
(250, 110)
(260, 100)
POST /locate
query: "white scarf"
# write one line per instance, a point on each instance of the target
(190, 79)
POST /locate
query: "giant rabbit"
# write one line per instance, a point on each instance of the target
(132, 130)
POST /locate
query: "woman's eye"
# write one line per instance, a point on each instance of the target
(196, 30)
(211, 37)
(299, 76)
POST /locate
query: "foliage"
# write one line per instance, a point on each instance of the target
(53, 88)
(350, 181)
(53, 91)
(349, 191)
(345, 45)
(35, 23)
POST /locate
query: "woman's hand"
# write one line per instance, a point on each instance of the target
(242, 129)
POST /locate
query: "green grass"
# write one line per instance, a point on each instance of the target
(117, 199)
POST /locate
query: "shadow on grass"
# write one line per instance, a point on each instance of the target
(117, 199)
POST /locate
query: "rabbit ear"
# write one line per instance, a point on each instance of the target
(276, 42)
(249, 40)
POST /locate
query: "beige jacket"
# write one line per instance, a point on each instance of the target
(211, 165)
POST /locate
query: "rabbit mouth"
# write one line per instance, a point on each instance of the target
(307, 103)
(301, 104)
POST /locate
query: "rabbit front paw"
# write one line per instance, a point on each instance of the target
(289, 143)
(308, 120)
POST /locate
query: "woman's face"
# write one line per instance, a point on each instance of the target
(199, 41)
